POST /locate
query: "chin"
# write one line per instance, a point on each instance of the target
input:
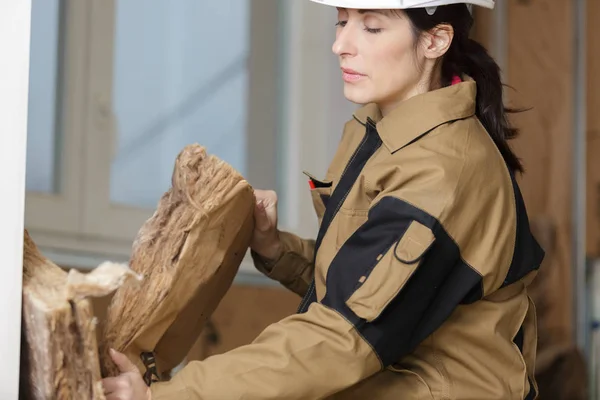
(357, 95)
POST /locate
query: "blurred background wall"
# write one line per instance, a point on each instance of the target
(118, 87)
(549, 52)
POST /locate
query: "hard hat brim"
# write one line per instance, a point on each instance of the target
(400, 4)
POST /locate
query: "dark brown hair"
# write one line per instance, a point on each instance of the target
(468, 57)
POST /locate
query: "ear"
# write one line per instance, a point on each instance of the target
(437, 41)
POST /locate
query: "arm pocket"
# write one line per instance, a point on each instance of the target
(392, 270)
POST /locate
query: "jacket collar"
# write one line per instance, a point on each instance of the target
(420, 114)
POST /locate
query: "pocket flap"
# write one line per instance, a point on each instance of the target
(392, 270)
(414, 243)
(316, 182)
(320, 192)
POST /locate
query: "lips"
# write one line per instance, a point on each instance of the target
(350, 75)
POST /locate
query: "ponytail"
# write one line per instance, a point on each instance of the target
(473, 60)
(467, 57)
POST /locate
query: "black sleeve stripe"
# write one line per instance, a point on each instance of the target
(438, 285)
(528, 254)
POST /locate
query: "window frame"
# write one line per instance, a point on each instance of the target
(290, 66)
(58, 213)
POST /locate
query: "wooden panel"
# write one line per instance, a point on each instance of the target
(243, 314)
(593, 133)
(482, 27)
(540, 68)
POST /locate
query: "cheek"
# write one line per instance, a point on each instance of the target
(396, 56)
(393, 68)
(389, 62)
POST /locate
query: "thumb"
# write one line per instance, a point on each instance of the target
(123, 363)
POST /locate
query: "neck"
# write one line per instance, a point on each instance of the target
(428, 81)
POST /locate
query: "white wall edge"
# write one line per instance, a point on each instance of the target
(15, 24)
(292, 88)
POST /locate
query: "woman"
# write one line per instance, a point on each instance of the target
(418, 289)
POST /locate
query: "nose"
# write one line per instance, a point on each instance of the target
(344, 44)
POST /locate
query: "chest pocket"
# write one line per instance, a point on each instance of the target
(320, 192)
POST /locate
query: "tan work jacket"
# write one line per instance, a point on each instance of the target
(419, 285)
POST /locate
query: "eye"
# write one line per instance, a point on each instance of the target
(341, 23)
(371, 30)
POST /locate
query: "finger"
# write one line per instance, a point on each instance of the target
(123, 363)
(113, 385)
(271, 203)
(260, 195)
(262, 220)
(270, 199)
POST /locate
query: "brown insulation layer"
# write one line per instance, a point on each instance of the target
(59, 354)
(188, 252)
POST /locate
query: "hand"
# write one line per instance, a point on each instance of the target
(129, 385)
(265, 238)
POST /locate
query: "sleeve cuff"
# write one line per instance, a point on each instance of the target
(281, 270)
(288, 267)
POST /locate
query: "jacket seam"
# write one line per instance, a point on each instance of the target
(355, 328)
(354, 154)
(453, 195)
(460, 257)
(507, 175)
(341, 203)
(460, 176)
(516, 230)
(368, 182)
(299, 257)
(441, 369)
(358, 120)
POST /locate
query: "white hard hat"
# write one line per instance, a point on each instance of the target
(401, 4)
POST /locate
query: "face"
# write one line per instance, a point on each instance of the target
(379, 59)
